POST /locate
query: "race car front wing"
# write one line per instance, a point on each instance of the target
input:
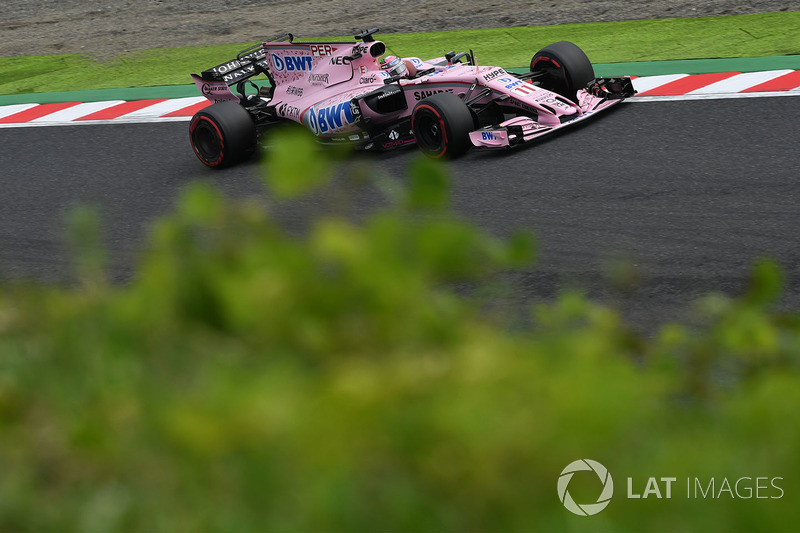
(599, 94)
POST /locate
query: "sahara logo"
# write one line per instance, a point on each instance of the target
(586, 509)
(421, 95)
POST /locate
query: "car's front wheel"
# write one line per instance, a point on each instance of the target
(441, 124)
(223, 134)
(564, 68)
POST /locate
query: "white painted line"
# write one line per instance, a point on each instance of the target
(651, 82)
(16, 108)
(740, 82)
(141, 120)
(717, 96)
(162, 108)
(76, 111)
(123, 120)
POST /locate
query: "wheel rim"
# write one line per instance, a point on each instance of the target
(429, 132)
(206, 141)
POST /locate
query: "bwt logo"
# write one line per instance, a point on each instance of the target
(330, 118)
(586, 509)
(508, 83)
(291, 63)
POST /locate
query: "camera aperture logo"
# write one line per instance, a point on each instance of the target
(585, 509)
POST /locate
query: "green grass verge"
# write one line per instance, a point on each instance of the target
(770, 34)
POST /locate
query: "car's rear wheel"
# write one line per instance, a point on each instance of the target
(223, 134)
(564, 67)
(441, 124)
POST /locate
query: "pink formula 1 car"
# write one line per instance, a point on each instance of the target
(343, 94)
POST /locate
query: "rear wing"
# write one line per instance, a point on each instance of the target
(248, 63)
(215, 83)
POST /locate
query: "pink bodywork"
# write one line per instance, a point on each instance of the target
(316, 82)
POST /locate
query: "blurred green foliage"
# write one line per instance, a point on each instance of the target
(337, 381)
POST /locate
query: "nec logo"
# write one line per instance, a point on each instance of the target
(291, 63)
(318, 50)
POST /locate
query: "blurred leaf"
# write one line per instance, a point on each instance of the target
(429, 187)
(295, 164)
(766, 283)
(521, 249)
(200, 204)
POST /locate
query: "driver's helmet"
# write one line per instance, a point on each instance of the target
(393, 65)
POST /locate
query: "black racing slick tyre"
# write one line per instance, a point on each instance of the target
(223, 134)
(441, 124)
(564, 67)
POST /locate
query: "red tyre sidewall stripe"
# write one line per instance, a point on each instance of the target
(546, 60)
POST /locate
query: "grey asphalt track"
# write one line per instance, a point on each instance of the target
(689, 193)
